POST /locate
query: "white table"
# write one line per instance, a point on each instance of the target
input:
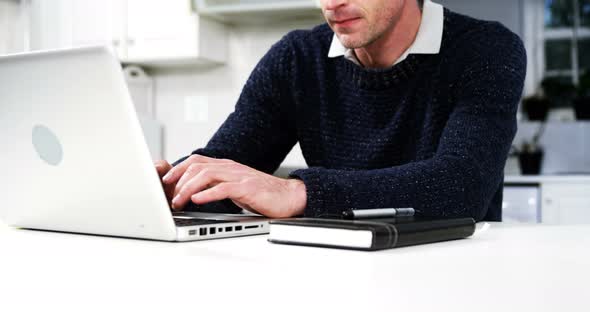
(507, 268)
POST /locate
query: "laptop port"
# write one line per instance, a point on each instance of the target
(219, 230)
(228, 228)
(202, 231)
(238, 228)
(250, 227)
(212, 230)
(192, 232)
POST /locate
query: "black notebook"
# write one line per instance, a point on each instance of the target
(371, 234)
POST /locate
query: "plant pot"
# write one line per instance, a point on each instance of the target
(536, 108)
(530, 163)
(582, 108)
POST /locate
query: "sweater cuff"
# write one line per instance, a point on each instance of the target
(317, 204)
(200, 151)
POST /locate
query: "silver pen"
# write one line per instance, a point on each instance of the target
(377, 213)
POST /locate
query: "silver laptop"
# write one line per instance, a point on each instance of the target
(74, 158)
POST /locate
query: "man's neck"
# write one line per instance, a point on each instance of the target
(383, 52)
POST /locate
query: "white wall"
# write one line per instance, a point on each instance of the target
(12, 30)
(507, 12)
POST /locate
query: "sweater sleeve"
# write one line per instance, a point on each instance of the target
(461, 178)
(259, 132)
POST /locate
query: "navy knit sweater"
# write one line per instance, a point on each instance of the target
(432, 132)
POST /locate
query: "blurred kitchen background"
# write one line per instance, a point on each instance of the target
(186, 62)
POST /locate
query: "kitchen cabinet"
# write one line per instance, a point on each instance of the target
(148, 32)
(258, 11)
(164, 32)
(547, 199)
(566, 203)
(94, 23)
(521, 203)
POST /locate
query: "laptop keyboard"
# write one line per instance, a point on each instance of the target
(195, 221)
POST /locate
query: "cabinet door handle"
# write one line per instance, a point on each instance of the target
(116, 42)
(130, 41)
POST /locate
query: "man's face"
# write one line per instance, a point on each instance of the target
(360, 22)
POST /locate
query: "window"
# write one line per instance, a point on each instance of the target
(566, 39)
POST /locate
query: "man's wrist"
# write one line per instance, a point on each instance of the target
(299, 193)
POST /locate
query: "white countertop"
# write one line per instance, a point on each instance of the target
(507, 268)
(547, 179)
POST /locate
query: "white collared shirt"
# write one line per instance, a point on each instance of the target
(428, 39)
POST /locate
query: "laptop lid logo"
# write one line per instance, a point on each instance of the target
(47, 145)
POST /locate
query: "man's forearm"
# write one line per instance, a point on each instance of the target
(436, 188)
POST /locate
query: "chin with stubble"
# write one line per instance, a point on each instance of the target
(358, 23)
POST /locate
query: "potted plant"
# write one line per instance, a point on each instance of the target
(536, 107)
(553, 93)
(582, 100)
(559, 92)
(530, 153)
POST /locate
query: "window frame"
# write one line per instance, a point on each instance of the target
(536, 36)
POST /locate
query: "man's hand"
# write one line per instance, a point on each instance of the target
(202, 180)
(163, 167)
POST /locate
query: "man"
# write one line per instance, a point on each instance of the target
(395, 103)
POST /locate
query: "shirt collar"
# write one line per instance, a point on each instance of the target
(428, 40)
